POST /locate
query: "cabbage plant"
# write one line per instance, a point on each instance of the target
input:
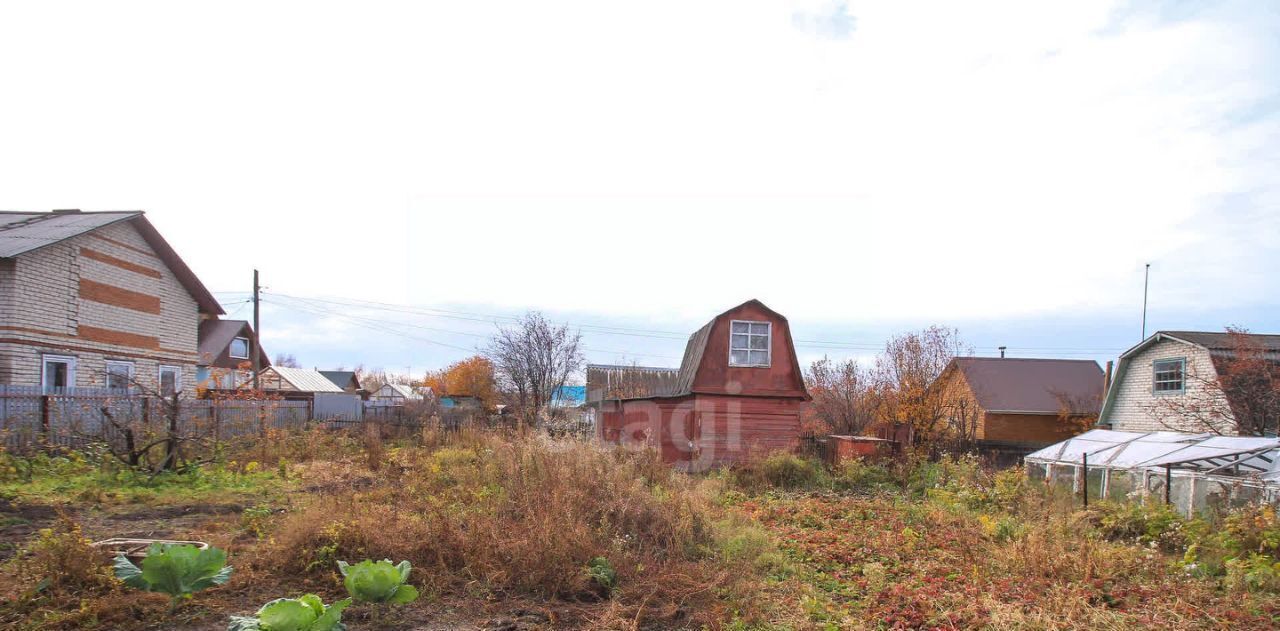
(307, 613)
(178, 570)
(379, 582)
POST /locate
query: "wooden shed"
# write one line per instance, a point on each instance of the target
(739, 389)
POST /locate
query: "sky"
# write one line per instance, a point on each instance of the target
(409, 176)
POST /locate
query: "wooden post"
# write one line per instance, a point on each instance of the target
(45, 401)
(1084, 481)
(1168, 484)
(216, 412)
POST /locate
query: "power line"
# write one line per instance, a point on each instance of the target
(497, 319)
(384, 325)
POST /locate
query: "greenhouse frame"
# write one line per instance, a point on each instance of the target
(1197, 473)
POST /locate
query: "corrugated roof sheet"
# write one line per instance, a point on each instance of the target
(305, 379)
(23, 232)
(1036, 386)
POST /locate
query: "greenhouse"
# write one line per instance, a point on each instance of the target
(1199, 473)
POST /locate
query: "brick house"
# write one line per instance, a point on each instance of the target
(96, 300)
(1015, 405)
(1172, 366)
(739, 390)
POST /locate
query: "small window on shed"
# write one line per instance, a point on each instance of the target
(749, 343)
(1169, 378)
(239, 348)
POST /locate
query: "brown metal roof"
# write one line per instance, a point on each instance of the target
(1033, 386)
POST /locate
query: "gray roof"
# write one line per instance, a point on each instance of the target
(340, 378)
(23, 232)
(1223, 341)
(1033, 386)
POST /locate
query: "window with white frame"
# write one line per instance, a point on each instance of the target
(170, 380)
(239, 348)
(119, 375)
(1169, 375)
(57, 372)
(749, 343)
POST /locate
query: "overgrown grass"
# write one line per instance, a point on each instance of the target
(950, 544)
(622, 541)
(532, 516)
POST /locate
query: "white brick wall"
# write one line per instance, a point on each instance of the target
(40, 292)
(1136, 406)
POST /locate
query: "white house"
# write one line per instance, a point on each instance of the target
(393, 394)
(1171, 368)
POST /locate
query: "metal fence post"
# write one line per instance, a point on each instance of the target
(1168, 484)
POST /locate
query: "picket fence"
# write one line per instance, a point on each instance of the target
(32, 418)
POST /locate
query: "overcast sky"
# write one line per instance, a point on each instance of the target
(864, 168)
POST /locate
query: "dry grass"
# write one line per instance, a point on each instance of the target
(523, 515)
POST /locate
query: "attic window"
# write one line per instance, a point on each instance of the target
(1168, 375)
(240, 348)
(749, 343)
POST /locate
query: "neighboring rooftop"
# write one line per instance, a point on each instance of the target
(404, 390)
(305, 379)
(216, 335)
(1033, 386)
(341, 378)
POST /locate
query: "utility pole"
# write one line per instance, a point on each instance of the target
(257, 334)
(1146, 282)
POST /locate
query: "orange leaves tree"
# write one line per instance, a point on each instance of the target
(471, 377)
(904, 372)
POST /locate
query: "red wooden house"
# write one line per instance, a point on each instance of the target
(738, 390)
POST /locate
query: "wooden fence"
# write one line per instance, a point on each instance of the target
(32, 418)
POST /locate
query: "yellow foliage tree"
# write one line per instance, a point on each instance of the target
(471, 377)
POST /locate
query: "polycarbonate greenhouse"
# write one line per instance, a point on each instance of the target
(1195, 472)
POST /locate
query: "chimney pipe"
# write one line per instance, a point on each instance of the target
(1002, 351)
(1106, 379)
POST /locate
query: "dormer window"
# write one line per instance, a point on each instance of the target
(749, 343)
(240, 348)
